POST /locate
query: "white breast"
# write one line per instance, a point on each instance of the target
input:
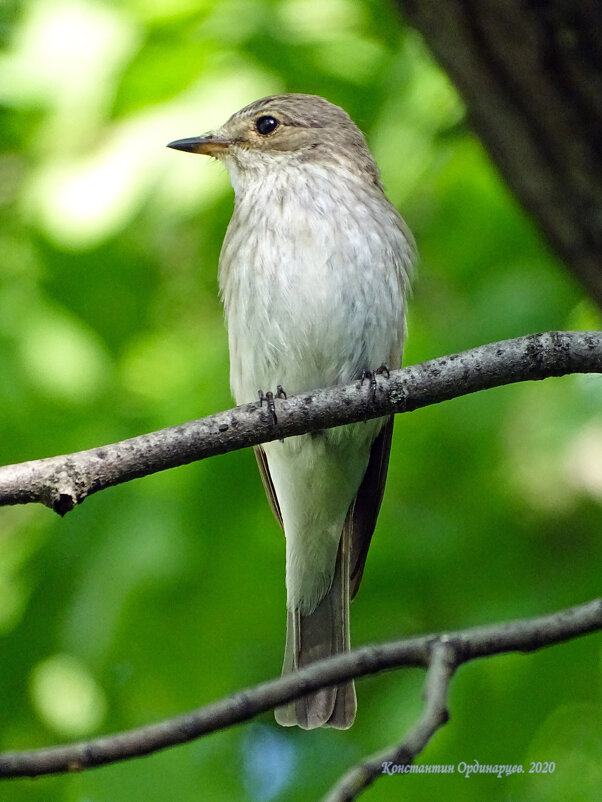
(312, 273)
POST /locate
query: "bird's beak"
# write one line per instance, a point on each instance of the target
(208, 144)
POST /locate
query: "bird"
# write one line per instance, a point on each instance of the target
(314, 273)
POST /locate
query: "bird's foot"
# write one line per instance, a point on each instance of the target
(371, 375)
(269, 400)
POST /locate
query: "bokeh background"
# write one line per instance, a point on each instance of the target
(165, 594)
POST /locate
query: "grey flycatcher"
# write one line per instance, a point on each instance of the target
(313, 273)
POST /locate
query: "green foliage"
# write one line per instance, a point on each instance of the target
(168, 593)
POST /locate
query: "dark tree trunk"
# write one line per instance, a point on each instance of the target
(530, 74)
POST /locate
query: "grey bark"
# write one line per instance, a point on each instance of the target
(441, 653)
(530, 74)
(64, 481)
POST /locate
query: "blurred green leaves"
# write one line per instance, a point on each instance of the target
(162, 595)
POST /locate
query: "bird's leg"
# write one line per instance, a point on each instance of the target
(371, 376)
(269, 400)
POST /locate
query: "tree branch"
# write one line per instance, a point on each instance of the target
(440, 672)
(529, 74)
(64, 481)
(441, 652)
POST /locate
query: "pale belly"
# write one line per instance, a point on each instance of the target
(313, 296)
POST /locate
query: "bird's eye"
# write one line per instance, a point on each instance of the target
(266, 124)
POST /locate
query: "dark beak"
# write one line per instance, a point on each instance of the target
(208, 145)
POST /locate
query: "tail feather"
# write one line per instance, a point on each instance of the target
(322, 633)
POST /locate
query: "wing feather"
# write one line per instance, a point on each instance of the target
(363, 512)
(264, 472)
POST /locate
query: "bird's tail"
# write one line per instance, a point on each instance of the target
(322, 633)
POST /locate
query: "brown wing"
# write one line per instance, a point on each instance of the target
(363, 513)
(262, 464)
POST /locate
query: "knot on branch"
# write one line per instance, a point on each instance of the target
(64, 489)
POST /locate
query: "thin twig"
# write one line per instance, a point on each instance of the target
(64, 481)
(522, 635)
(441, 669)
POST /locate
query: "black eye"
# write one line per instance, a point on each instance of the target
(266, 124)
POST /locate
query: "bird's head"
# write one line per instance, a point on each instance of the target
(286, 129)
